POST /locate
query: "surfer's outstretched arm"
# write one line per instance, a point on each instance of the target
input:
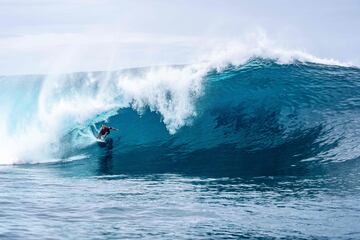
(115, 129)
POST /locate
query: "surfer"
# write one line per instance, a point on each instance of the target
(104, 131)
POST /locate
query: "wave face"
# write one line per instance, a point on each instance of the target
(261, 117)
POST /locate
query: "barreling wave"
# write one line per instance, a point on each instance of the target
(259, 112)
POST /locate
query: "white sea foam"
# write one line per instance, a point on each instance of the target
(68, 101)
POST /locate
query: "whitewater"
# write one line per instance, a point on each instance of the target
(260, 143)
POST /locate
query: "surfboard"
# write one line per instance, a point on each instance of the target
(100, 140)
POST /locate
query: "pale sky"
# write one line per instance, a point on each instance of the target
(42, 36)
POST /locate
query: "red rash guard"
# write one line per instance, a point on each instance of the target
(104, 130)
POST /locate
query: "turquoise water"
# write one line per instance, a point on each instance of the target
(48, 202)
(262, 150)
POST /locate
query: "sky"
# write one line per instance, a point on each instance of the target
(44, 36)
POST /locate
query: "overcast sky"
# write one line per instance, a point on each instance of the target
(42, 36)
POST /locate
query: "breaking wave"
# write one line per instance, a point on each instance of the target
(266, 111)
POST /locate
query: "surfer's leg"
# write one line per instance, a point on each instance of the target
(105, 135)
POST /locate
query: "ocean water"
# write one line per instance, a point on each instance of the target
(259, 150)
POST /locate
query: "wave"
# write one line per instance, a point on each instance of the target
(261, 111)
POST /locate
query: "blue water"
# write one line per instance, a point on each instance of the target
(262, 150)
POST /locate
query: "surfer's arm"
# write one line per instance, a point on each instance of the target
(115, 129)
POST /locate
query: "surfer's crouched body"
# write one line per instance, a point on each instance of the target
(104, 131)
